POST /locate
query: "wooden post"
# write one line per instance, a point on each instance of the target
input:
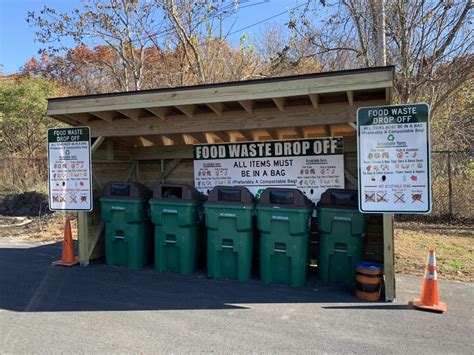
(388, 257)
(83, 238)
(82, 222)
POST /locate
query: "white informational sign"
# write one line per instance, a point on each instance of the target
(311, 165)
(69, 169)
(394, 159)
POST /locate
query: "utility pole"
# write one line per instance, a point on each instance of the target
(380, 18)
(388, 244)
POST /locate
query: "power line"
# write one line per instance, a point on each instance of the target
(267, 19)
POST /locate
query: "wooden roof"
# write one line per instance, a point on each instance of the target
(308, 105)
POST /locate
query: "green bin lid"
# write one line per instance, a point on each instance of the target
(177, 192)
(285, 198)
(230, 195)
(126, 190)
(339, 198)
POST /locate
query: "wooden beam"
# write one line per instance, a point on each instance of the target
(351, 178)
(108, 116)
(145, 142)
(273, 133)
(133, 114)
(188, 110)
(64, 118)
(342, 130)
(388, 95)
(350, 97)
(314, 100)
(261, 135)
(83, 238)
(169, 169)
(246, 135)
(216, 137)
(110, 149)
(81, 117)
(167, 140)
(247, 105)
(279, 102)
(97, 144)
(217, 107)
(165, 152)
(230, 121)
(159, 112)
(388, 257)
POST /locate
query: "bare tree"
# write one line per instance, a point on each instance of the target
(127, 27)
(429, 42)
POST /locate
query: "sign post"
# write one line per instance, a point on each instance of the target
(393, 153)
(69, 169)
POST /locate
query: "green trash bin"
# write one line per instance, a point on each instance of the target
(283, 217)
(229, 221)
(341, 235)
(177, 212)
(128, 231)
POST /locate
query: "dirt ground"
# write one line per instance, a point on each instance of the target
(47, 228)
(454, 243)
(454, 249)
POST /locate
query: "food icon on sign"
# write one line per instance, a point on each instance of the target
(368, 168)
(416, 197)
(381, 197)
(400, 155)
(413, 178)
(385, 155)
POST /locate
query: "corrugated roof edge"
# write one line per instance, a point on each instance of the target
(232, 83)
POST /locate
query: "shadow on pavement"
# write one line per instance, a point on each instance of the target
(29, 283)
(378, 306)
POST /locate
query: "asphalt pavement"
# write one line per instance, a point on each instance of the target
(50, 309)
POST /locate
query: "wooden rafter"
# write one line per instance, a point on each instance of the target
(314, 100)
(81, 117)
(133, 114)
(342, 130)
(108, 116)
(188, 110)
(350, 97)
(247, 105)
(314, 131)
(301, 116)
(159, 112)
(217, 107)
(279, 102)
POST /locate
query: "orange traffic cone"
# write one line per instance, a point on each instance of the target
(429, 300)
(67, 257)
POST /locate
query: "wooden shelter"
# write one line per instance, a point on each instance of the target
(148, 135)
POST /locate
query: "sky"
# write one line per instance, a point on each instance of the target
(17, 37)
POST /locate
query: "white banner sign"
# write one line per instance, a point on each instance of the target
(311, 165)
(69, 167)
(394, 159)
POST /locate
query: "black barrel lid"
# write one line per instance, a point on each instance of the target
(231, 195)
(126, 190)
(177, 192)
(284, 197)
(339, 198)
